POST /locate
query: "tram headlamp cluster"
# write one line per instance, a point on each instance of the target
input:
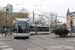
(16, 32)
(27, 32)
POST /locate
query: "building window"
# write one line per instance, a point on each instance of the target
(72, 16)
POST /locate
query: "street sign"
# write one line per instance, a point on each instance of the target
(7, 9)
(5, 21)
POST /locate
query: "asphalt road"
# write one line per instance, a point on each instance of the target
(41, 42)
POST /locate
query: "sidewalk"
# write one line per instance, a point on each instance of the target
(7, 38)
(52, 35)
(73, 34)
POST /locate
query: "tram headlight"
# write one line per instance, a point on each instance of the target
(16, 32)
(27, 32)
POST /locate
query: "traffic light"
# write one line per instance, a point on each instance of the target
(64, 25)
(71, 23)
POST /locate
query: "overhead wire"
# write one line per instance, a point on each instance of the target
(38, 6)
(41, 8)
(48, 13)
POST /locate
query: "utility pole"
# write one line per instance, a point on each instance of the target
(6, 23)
(56, 21)
(71, 26)
(33, 16)
(7, 9)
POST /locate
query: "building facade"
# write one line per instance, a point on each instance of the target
(68, 19)
(9, 6)
(70, 16)
(4, 8)
(58, 23)
(10, 17)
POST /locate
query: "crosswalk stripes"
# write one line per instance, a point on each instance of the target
(45, 49)
(53, 48)
(8, 49)
(3, 46)
(35, 49)
(2, 43)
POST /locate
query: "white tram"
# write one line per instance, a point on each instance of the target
(39, 29)
(21, 27)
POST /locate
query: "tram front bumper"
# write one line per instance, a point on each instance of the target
(21, 35)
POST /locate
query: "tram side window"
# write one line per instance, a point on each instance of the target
(39, 28)
(43, 28)
(32, 28)
(47, 28)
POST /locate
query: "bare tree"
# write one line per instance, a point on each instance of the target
(40, 20)
(50, 17)
(24, 10)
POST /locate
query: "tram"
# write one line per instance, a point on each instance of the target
(39, 29)
(21, 27)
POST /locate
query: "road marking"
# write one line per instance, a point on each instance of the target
(35, 49)
(63, 47)
(4, 46)
(70, 40)
(8, 49)
(2, 43)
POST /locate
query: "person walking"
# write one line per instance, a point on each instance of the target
(2, 32)
(5, 31)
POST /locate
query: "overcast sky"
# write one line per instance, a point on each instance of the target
(58, 6)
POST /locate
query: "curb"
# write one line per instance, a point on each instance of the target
(57, 36)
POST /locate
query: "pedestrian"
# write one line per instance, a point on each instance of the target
(5, 31)
(2, 32)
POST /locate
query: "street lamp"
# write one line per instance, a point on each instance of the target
(33, 16)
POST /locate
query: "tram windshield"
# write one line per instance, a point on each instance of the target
(21, 26)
